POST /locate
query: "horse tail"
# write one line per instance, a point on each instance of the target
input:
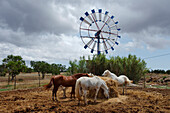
(78, 89)
(48, 86)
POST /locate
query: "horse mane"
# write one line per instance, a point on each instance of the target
(81, 74)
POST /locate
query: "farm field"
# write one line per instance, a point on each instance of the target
(23, 80)
(30, 98)
(39, 100)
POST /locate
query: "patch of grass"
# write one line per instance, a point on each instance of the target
(158, 86)
(8, 85)
(162, 87)
(6, 89)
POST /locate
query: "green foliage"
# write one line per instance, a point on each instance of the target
(168, 72)
(27, 70)
(14, 65)
(82, 65)
(3, 70)
(55, 69)
(98, 64)
(158, 71)
(44, 67)
(73, 67)
(130, 66)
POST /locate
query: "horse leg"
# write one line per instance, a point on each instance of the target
(95, 97)
(123, 89)
(64, 92)
(85, 93)
(73, 91)
(80, 93)
(54, 93)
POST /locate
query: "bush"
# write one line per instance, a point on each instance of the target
(130, 66)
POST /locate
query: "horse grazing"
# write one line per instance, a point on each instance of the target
(66, 81)
(122, 79)
(84, 83)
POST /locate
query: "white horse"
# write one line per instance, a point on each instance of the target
(64, 91)
(122, 79)
(65, 88)
(85, 83)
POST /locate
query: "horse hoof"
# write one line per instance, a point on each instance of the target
(85, 104)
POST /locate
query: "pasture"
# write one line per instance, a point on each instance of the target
(36, 99)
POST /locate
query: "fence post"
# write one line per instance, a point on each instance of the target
(15, 83)
(39, 78)
(144, 82)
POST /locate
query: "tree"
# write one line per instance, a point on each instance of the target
(130, 66)
(40, 67)
(73, 67)
(82, 65)
(55, 69)
(168, 72)
(36, 66)
(2, 70)
(14, 65)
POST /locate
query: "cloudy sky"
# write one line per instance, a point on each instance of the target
(48, 30)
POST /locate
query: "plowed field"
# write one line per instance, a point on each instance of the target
(39, 100)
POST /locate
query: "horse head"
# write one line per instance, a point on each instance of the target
(106, 73)
(106, 93)
(130, 82)
(105, 88)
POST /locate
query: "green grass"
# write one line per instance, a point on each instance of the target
(6, 89)
(158, 86)
(8, 85)
(162, 87)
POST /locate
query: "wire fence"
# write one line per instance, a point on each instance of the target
(23, 80)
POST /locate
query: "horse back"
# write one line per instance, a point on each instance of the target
(78, 75)
(58, 79)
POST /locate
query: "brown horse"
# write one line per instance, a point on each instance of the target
(66, 81)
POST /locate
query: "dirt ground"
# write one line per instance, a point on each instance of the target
(39, 100)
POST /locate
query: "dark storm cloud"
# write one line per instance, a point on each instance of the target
(35, 16)
(38, 29)
(141, 15)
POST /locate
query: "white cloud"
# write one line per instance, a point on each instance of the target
(48, 29)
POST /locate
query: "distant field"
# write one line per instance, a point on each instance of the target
(31, 80)
(29, 97)
(24, 80)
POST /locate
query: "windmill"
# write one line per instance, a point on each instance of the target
(99, 31)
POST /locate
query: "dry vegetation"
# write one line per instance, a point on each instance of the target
(39, 100)
(137, 99)
(24, 80)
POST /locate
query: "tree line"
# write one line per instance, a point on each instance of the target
(13, 65)
(130, 66)
(159, 71)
